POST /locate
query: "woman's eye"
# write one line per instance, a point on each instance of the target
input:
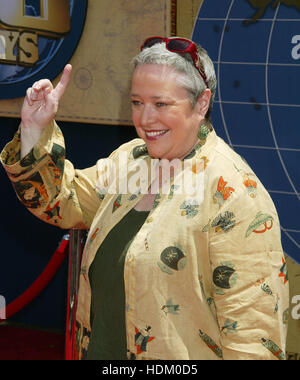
(161, 104)
(135, 102)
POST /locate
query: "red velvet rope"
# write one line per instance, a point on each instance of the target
(41, 282)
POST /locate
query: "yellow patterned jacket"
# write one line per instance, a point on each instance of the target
(205, 277)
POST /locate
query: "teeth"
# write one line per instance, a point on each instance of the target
(155, 133)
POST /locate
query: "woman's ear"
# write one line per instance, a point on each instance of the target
(203, 102)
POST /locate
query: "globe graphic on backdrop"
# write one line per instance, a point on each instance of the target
(47, 49)
(255, 46)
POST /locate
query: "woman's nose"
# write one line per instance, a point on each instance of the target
(147, 116)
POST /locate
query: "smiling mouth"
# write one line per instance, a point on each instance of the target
(154, 135)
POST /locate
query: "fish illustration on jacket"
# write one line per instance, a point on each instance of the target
(222, 193)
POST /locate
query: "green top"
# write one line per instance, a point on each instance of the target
(106, 275)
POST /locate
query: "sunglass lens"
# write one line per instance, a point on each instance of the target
(178, 45)
(151, 41)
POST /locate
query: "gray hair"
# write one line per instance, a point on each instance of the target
(191, 80)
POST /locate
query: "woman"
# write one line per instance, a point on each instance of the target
(173, 274)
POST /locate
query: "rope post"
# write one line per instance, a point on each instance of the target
(75, 254)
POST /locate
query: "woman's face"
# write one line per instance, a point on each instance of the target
(162, 112)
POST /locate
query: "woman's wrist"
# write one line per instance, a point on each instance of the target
(29, 137)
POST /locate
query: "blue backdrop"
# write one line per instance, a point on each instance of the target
(255, 46)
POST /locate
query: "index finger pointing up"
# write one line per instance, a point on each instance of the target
(64, 80)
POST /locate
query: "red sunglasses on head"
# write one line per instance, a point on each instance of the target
(179, 45)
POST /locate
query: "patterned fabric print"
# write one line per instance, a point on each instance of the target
(172, 259)
(224, 277)
(156, 200)
(13, 153)
(58, 154)
(139, 151)
(10, 157)
(250, 184)
(93, 236)
(267, 290)
(117, 203)
(209, 300)
(223, 192)
(273, 348)
(52, 213)
(35, 191)
(260, 224)
(170, 308)
(249, 181)
(283, 271)
(82, 336)
(29, 159)
(27, 170)
(190, 208)
(32, 192)
(101, 193)
(202, 271)
(142, 339)
(229, 326)
(211, 344)
(134, 196)
(223, 222)
(173, 188)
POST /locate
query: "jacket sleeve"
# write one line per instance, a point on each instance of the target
(48, 185)
(249, 277)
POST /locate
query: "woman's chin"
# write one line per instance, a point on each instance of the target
(155, 153)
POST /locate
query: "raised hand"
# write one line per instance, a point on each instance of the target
(40, 107)
(42, 100)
